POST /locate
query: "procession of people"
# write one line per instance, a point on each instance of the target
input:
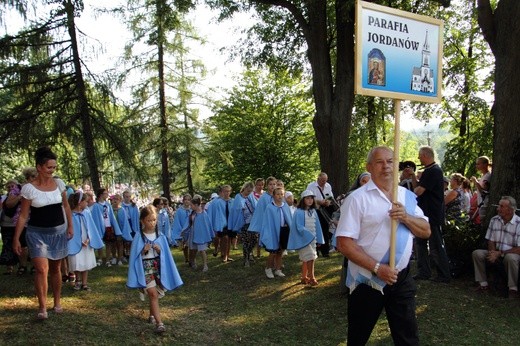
(59, 228)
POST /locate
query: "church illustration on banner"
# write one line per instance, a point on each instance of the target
(422, 77)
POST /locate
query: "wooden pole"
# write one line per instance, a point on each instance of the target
(397, 130)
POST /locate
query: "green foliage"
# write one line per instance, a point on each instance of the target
(46, 98)
(263, 129)
(164, 94)
(468, 75)
(461, 237)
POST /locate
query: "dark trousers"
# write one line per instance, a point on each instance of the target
(324, 223)
(436, 254)
(365, 305)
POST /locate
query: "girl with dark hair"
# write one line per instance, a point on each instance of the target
(86, 238)
(47, 230)
(106, 222)
(199, 233)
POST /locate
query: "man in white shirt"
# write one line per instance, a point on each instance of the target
(363, 236)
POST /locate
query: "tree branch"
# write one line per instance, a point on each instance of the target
(486, 23)
(297, 14)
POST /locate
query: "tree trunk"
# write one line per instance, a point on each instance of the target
(83, 105)
(165, 174)
(501, 30)
(333, 104)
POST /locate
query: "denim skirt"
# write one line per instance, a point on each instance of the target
(47, 242)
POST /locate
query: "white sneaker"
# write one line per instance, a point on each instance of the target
(124, 260)
(99, 262)
(108, 264)
(113, 261)
(120, 263)
(269, 273)
(205, 268)
(141, 295)
(279, 273)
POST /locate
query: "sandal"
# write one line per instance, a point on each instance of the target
(305, 281)
(313, 282)
(21, 270)
(85, 288)
(57, 309)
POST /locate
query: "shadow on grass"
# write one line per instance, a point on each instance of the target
(231, 305)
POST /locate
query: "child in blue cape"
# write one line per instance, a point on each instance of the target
(199, 233)
(85, 240)
(274, 237)
(151, 267)
(306, 232)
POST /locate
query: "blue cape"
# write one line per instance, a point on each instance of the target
(124, 225)
(132, 212)
(300, 237)
(163, 222)
(236, 216)
(97, 216)
(258, 215)
(217, 213)
(75, 243)
(270, 231)
(180, 222)
(201, 228)
(170, 278)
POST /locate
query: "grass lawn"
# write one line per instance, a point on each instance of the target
(232, 305)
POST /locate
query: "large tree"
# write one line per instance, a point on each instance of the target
(154, 24)
(501, 30)
(323, 32)
(48, 98)
(262, 129)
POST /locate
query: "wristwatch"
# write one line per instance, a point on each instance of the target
(376, 268)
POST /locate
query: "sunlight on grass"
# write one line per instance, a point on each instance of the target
(231, 304)
(420, 309)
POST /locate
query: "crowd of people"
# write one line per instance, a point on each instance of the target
(67, 232)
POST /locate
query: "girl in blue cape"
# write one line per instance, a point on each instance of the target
(132, 213)
(86, 239)
(240, 216)
(124, 226)
(199, 233)
(106, 223)
(180, 223)
(304, 235)
(275, 232)
(151, 267)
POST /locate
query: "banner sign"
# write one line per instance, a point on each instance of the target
(398, 54)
